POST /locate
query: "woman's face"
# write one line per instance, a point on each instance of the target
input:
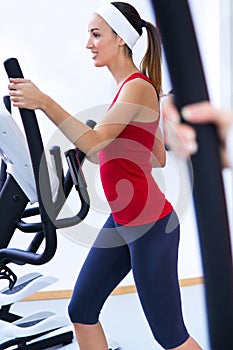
(103, 42)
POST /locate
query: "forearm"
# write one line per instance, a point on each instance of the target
(80, 134)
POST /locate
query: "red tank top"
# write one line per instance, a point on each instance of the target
(126, 174)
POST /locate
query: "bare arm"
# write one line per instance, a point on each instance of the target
(24, 94)
(135, 102)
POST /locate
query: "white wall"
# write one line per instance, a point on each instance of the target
(48, 38)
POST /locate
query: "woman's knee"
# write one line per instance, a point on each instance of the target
(75, 312)
(80, 313)
(71, 312)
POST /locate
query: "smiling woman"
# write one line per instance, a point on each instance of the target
(137, 234)
(101, 41)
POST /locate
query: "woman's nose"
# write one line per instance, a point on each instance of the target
(89, 44)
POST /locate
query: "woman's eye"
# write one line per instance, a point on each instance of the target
(96, 35)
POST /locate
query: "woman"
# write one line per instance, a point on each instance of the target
(142, 231)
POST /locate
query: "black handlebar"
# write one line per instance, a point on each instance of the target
(188, 80)
(46, 208)
(39, 166)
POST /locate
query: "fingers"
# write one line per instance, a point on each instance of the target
(201, 112)
(16, 83)
(14, 89)
(15, 92)
(169, 110)
(16, 99)
(181, 139)
(24, 94)
(19, 80)
(188, 136)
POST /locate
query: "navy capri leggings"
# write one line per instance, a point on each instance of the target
(151, 251)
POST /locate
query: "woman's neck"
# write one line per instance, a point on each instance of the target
(122, 71)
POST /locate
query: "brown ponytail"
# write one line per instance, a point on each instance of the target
(151, 62)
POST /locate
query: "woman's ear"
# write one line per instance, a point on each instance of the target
(121, 41)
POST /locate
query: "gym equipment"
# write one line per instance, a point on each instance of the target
(16, 175)
(188, 80)
(25, 181)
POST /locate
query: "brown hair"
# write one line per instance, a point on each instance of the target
(151, 62)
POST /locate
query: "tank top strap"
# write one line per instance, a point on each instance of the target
(131, 77)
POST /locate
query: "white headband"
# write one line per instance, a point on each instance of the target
(119, 23)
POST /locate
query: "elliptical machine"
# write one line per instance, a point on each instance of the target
(25, 179)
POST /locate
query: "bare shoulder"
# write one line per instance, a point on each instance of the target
(141, 92)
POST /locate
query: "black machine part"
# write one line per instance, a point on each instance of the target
(46, 207)
(188, 81)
